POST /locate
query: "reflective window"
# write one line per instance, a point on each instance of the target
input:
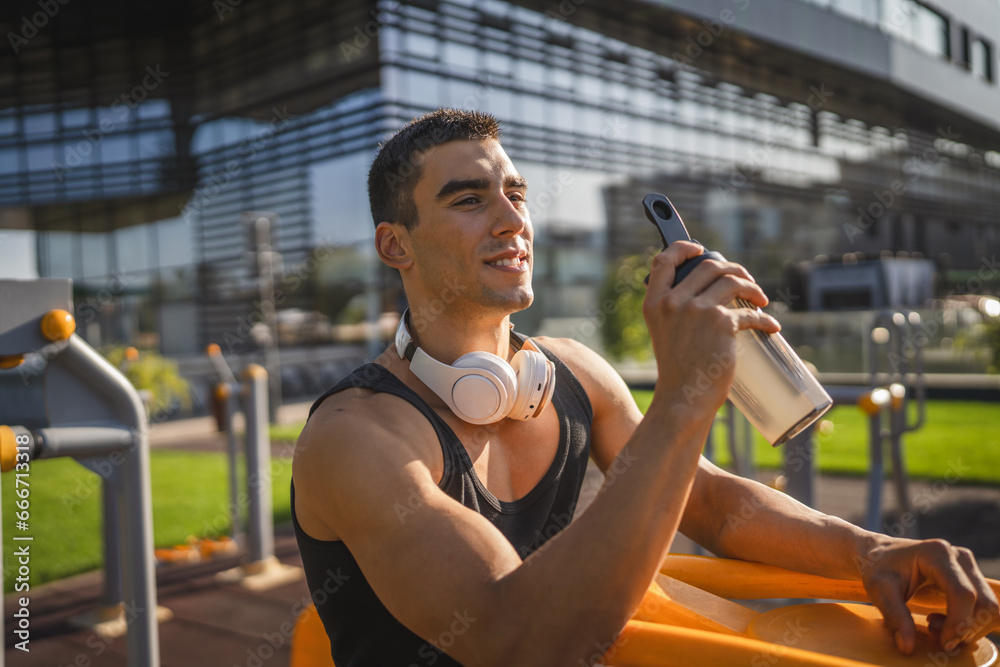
(72, 118)
(421, 45)
(931, 31)
(115, 148)
(40, 123)
(94, 251)
(916, 24)
(154, 109)
(9, 161)
(19, 254)
(58, 255)
(981, 59)
(156, 143)
(175, 242)
(41, 157)
(498, 63)
(8, 125)
(340, 209)
(460, 57)
(862, 10)
(423, 89)
(132, 248)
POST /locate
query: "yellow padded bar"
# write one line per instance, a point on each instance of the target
(643, 644)
(8, 448)
(744, 580)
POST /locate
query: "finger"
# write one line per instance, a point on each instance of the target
(942, 568)
(934, 624)
(755, 319)
(665, 263)
(987, 609)
(728, 286)
(886, 593)
(709, 271)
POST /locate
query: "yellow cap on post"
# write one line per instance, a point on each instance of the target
(131, 354)
(58, 325)
(872, 401)
(222, 391)
(254, 371)
(11, 361)
(898, 393)
(213, 349)
(8, 448)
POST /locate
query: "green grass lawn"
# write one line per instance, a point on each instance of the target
(285, 432)
(958, 439)
(190, 497)
(190, 493)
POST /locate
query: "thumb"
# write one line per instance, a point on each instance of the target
(887, 596)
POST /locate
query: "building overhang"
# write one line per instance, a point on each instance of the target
(791, 49)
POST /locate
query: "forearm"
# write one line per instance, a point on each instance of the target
(757, 523)
(592, 575)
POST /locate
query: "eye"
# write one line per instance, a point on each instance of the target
(467, 201)
(516, 196)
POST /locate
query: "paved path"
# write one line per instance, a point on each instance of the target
(224, 625)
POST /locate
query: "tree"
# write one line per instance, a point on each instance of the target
(155, 374)
(622, 326)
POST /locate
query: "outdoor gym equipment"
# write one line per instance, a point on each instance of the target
(686, 618)
(262, 569)
(94, 415)
(896, 373)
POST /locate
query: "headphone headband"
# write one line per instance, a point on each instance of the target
(406, 348)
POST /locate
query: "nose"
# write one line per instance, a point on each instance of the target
(510, 219)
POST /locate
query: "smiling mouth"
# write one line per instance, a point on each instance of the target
(517, 261)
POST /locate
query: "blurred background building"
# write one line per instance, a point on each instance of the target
(140, 143)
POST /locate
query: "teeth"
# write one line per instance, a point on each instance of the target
(507, 262)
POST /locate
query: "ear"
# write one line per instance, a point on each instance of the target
(392, 245)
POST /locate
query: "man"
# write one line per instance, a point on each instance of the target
(438, 529)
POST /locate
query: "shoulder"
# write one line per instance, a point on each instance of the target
(361, 421)
(358, 441)
(615, 412)
(599, 378)
(589, 367)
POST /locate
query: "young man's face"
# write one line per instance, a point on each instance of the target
(472, 242)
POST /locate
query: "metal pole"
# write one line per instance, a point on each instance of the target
(731, 438)
(112, 595)
(138, 576)
(235, 511)
(800, 467)
(876, 473)
(268, 307)
(897, 426)
(260, 526)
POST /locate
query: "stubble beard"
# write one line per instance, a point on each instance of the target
(504, 302)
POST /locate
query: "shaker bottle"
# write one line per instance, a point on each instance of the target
(771, 386)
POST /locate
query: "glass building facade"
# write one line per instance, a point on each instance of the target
(136, 144)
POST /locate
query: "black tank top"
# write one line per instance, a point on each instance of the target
(363, 633)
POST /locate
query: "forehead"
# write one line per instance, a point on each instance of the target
(462, 160)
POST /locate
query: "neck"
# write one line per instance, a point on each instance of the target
(448, 336)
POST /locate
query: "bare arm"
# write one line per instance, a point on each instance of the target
(361, 458)
(743, 519)
(737, 517)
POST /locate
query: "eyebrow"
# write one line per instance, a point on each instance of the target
(457, 185)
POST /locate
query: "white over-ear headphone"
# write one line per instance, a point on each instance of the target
(482, 388)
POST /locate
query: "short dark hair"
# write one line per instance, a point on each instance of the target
(394, 172)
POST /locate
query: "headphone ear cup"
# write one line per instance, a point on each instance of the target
(535, 383)
(472, 397)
